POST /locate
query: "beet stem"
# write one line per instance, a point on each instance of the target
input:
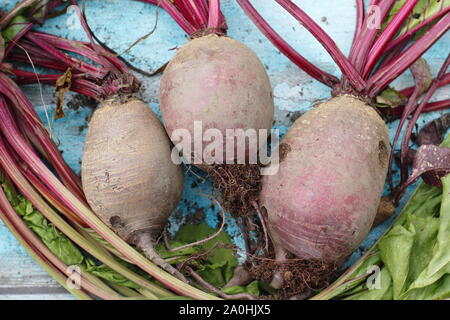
(214, 14)
(443, 81)
(358, 53)
(387, 34)
(389, 57)
(144, 241)
(285, 48)
(40, 134)
(178, 17)
(330, 46)
(412, 122)
(360, 14)
(194, 11)
(359, 19)
(417, 28)
(203, 7)
(407, 111)
(386, 75)
(82, 66)
(202, 282)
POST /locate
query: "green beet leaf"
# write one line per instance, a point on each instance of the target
(217, 260)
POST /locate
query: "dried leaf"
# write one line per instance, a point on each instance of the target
(391, 98)
(63, 85)
(385, 210)
(434, 131)
(432, 163)
(422, 75)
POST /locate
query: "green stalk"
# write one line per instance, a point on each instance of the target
(149, 294)
(95, 238)
(100, 284)
(46, 265)
(29, 237)
(25, 152)
(125, 291)
(89, 283)
(100, 254)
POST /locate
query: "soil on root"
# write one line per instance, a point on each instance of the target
(301, 277)
(239, 186)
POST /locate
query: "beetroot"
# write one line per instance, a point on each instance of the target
(323, 200)
(220, 82)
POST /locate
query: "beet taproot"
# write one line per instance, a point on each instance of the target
(220, 82)
(322, 202)
(128, 177)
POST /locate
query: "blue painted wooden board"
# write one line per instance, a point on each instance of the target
(119, 23)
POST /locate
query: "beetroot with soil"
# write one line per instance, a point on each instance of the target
(214, 80)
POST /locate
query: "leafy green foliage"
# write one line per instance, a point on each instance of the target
(423, 10)
(36, 12)
(413, 257)
(252, 288)
(213, 260)
(17, 24)
(57, 242)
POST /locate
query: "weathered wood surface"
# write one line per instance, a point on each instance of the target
(294, 91)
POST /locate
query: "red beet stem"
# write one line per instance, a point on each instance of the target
(442, 82)
(417, 28)
(194, 16)
(407, 111)
(214, 14)
(110, 78)
(412, 122)
(178, 17)
(330, 46)
(361, 48)
(359, 19)
(285, 48)
(68, 60)
(387, 35)
(390, 72)
(9, 89)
